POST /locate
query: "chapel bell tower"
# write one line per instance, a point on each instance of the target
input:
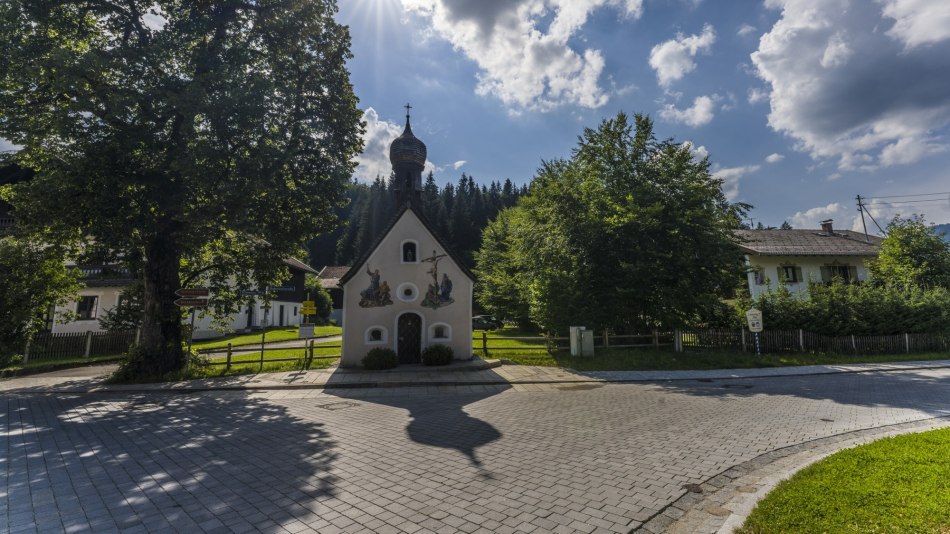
(408, 157)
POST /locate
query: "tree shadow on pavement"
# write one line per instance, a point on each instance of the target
(439, 419)
(164, 462)
(924, 390)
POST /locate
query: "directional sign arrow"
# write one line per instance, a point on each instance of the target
(248, 292)
(194, 303)
(283, 288)
(193, 292)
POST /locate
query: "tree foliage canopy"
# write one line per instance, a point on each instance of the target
(629, 233)
(33, 279)
(203, 140)
(912, 253)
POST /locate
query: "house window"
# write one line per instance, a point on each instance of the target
(846, 273)
(790, 274)
(295, 311)
(86, 307)
(376, 334)
(439, 332)
(409, 252)
(759, 276)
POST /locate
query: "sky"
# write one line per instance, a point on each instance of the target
(800, 105)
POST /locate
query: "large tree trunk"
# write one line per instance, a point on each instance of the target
(161, 340)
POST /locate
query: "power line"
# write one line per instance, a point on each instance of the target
(892, 202)
(902, 196)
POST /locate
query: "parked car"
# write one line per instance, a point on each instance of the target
(485, 322)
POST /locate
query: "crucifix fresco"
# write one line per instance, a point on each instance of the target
(439, 292)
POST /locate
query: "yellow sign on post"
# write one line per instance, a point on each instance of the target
(308, 307)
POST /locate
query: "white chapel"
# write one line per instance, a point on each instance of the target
(410, 291)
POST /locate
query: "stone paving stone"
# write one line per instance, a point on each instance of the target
(419, 460)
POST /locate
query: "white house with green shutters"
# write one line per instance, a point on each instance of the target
(794, 257)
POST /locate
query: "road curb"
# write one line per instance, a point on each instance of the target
(723, 501)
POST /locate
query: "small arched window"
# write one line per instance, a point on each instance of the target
(375, 335)
(409, 252)
(440, 332)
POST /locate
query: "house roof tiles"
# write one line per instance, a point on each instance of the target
(807, 243)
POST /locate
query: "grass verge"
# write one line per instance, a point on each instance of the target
(897, 484)
(254, 338)
(53, 365)
(653, 360)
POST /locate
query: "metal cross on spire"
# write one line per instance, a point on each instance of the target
(408, 107)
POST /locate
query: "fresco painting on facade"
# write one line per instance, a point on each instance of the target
(439, 293)
(377, 294)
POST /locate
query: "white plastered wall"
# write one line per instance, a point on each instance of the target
(810, 266)
(108, 297)
(388, 259)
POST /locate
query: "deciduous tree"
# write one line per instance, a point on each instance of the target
(912, 254)
(209, 139)
(629, 233)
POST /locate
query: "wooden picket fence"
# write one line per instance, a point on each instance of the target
(49, 347)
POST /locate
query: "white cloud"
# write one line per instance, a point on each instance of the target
(698, 152)
(811, 219)
(7, 146)
(730, 177)
(918, 22)
(374, 161)
(847, 217)
(458, 164)
(882, 106)
(745, 29)
(524, 64)
(757, 95)
(836, 53)
(673, 59)
(154, 19)
(774, 158)
(700, 113)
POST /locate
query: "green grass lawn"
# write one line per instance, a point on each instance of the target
(613, 359)
(899, 484)
(254, 338)
(65, 362)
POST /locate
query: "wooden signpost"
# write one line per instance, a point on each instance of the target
(193, 297)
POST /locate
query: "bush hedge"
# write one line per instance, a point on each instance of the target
(437, 355)
(380, 358)
(842, 309)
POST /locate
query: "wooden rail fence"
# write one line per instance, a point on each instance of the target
(733, 340)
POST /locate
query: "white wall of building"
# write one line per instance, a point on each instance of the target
(387, 257)
(205, 326)
(810, 268)
(107, 298)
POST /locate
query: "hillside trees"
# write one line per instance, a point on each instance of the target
(628, 233)
(458, 212)
(209, 139)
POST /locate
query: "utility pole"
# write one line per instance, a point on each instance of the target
(863, 223)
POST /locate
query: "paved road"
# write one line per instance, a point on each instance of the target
(534, 458)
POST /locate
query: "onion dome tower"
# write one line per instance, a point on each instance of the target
(408, 157)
